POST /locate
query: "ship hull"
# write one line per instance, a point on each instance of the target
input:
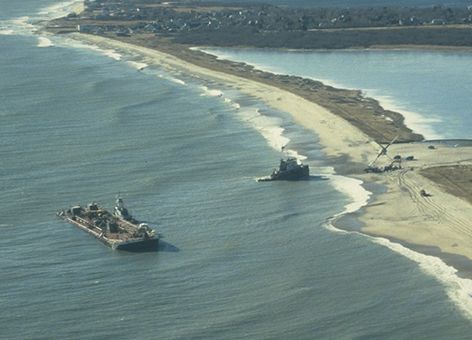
(138, 246)
(132, 245)
(292, 175)
(301, 173)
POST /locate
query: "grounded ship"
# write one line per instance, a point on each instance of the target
(289, 170)
(118, 230)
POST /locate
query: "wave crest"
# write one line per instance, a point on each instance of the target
(44, 42)
(211, 92)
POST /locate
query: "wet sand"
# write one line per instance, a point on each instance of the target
(436, 224)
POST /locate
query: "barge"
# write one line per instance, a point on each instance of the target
(118, 230)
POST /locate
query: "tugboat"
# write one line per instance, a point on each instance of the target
(290, 169)
(118, 230)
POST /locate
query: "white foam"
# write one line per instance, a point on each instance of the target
(24, 25)
(79, 44)
(270, 128)
(211, 92)
(111, 54)
(177, 80)
(44, 42)
(137, 65)
(172, 79)
(235, 105)
(353, 189)
(22, 21)
(59, 10)
(106, 52)
(21, 26)
(6, 32)
(459, 290)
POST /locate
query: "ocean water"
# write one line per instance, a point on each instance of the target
(430, 88)
(239, 259)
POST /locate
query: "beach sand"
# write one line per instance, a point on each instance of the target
(438, 224)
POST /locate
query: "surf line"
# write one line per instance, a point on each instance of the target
(459, 290)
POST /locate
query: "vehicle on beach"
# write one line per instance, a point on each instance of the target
(290, 169)
(396, 161)
(118, 230)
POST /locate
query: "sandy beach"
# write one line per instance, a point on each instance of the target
(437, 223)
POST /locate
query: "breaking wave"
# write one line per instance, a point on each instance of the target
(137, 65)
(172, 79)
(211, 92)
(235, 105)
(18, 26)
(60, 9)
(91, 47)
(459, 290)
(269, 127)
(44, 42)
(6, 31)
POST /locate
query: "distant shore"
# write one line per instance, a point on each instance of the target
(436, 224)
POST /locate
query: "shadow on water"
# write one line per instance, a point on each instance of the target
(167, 247)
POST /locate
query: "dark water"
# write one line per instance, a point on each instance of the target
(240, 259)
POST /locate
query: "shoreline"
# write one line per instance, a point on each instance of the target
(435, 224)
(411, 119)
(273, 96)
(340, 140)
(365, 113)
